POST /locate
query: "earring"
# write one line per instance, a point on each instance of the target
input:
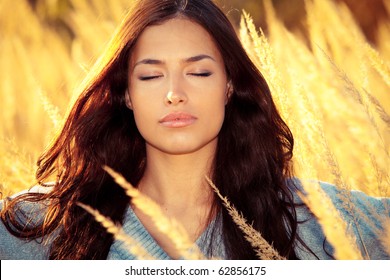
(229, 89)
(128, 101)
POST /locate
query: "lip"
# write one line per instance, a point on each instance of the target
(177, 120)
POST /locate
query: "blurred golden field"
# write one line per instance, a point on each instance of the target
(330, 83)
(332, 86)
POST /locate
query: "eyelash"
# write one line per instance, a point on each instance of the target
(203, 75)
(147, 78)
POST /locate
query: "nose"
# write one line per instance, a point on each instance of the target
(174, 98)
(176, 93)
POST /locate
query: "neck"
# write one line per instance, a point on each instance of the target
(177, 181)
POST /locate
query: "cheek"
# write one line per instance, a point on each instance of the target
(215, 99)
(213, 110)
(144, 113)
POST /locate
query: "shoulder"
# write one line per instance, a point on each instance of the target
(364, 216)
(27, 213)
(14, 248)
(345, 200)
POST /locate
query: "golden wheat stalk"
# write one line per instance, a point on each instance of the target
(246, 39)
(379, 108)
(17, 168)
(313, 125)
(334, 227)
(51, 110)
(382, 179)
(378, 63)
(344, 192)
(263, 249)
(168, 226)
(131, 244)
(266, 62)
(357, 96)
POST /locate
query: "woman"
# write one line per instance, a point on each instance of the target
(174, 98)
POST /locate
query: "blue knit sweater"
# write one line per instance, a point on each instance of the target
(367, 234)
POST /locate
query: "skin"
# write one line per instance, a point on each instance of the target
(176, 68)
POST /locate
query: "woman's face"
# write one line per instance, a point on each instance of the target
(177, 87)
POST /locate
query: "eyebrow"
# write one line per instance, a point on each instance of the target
(195, 58)
(198, 58)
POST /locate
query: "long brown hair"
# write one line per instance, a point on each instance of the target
(251, 166)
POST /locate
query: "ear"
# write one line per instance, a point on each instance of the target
(229, 91)
(128, 100)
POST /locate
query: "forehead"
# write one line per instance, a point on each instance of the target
(175, 38)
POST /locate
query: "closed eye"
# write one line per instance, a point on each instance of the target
(148, 78)
(204, 74)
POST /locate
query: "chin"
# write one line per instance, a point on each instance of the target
(183, 144)
(181, 150)
(187, 148)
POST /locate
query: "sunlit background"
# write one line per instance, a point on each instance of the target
(327, 63)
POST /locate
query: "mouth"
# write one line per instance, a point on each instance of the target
(177, 120)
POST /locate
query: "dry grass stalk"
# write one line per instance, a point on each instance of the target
(246, 40)
(311, 118)
(305, 139)
(265, 61)
(131, 244)
(344, 192)
(382, 179)
(358, 97)
(315, 30)
(332, 30)
(264, 250)
(52, 111)
(168, 226)
(17, 168)
(334, 227)
(378, 63)
(313, 127)
(379, 108)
